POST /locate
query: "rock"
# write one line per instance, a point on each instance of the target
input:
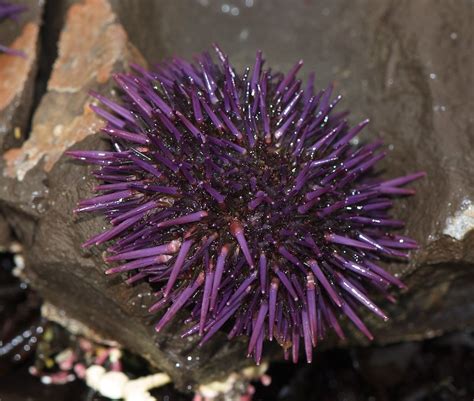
(40, 187)
(404, 66)
(17, 74)
(436, 369)
(421, 91)
(82, 65)
(5, 234)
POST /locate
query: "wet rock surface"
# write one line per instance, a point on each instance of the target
(18, 74)
(405, 65)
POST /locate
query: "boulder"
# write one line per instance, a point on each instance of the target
(405, 66)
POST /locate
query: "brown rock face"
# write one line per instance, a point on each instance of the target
(17, 74)
(82, 65)
(407, 66)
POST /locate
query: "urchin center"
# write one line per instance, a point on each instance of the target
(253, 194)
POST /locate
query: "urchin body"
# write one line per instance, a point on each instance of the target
(241, 199)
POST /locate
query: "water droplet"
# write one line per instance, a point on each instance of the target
(244, 34)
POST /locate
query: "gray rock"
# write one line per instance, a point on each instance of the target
(406, 65)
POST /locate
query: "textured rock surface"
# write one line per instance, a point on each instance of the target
(406, 65)
(17, 74)
(40, 188)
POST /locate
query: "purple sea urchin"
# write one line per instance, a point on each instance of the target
(241, 199)
(9, 10)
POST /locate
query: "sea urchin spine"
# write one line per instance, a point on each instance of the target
(243, 200)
